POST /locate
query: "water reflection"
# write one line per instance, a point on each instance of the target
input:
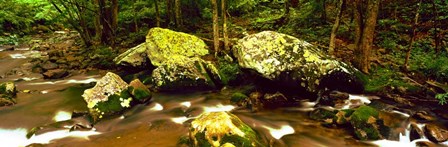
(17, 137)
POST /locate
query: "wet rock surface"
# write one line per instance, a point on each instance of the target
(436, 133)
(111, 95)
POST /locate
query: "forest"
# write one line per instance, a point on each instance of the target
(224, 73)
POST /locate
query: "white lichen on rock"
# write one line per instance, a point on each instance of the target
(274, 54)
(109, 85)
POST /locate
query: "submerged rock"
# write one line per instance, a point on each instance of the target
(186, 74)
(162, 45)
(112, 95)
(7, 94)
(294, 63)
(222, 129)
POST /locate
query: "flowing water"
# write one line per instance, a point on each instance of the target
(159, 123)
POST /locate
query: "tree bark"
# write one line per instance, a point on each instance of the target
(437, 37)
(335, 28)
(156, 4)
(215, 27)
(169, 11)
(224, 25)
(414, 26)
(365, 31)
(369, 33)
(178, 13)
(98, 28)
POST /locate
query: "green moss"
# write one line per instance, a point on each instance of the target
(322, 114)
(238, 97)
(113, 104)
(2, 88)
(229, 71)
(382, 78)
(359, 120)
(141, 94)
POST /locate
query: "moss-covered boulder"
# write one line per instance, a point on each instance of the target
(111, 95)
(222, 129)
(185, 74)
(7, 94)
(367, 125)
(139, 91)
(294, 63)
(162, 45)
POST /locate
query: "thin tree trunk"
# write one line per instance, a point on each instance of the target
(136, 29)
(114, 19)
(324, 13)
(414, 26)
(156, 4)
(215, 27)
(368, 34)
(437, 38)
(97, 22)
(224, 25)
(178, 14)
(335, 28)
(359, 25)
(169, 11)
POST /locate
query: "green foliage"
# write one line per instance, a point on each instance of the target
(103, 57)
(9, 40)
(21, 15)
(383, 78)
(442, 98)
(228, 71)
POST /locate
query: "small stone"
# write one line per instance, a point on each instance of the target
(26, 91)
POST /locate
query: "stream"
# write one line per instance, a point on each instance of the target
(159, 123)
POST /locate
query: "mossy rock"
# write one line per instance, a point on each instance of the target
(221, 128)
(165, 44)
(109, 96)
(139, 91)
(187, 75)
(230, 72)
(294, 63)
(367, 125)
(8, 88)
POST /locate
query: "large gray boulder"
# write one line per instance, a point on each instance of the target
(295, 63)
(162, 45)
(111, 95)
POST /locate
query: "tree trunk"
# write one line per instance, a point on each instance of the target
(169, 11)
(335, 28)
(365, 30)
(178, 14)
(437, 37)
(114, 19)
(215, 27)
(414, 26)
(98, 28)
(156, 4)
(224, 25)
